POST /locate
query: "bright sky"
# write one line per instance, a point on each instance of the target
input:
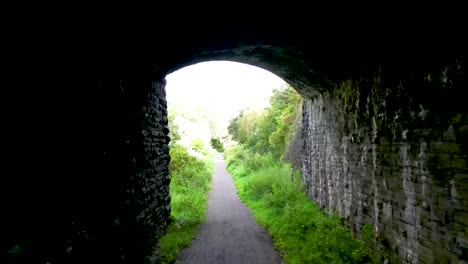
(223, 86)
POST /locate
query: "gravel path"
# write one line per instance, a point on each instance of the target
(230, 235)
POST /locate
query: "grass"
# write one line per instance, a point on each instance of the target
(300, 230)
(189, 187)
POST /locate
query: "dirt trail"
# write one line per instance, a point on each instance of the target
(230, 235)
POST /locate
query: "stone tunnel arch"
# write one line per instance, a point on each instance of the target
(113, 201)
(342, 168)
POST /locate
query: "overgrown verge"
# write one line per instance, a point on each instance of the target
(300, 230)
(190, 184)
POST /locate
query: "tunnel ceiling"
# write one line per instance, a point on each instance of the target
(57, 129)
(304, 50)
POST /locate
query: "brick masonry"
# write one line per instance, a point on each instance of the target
(97, 190)
(136, 159)
(86, 179)
(381, 153)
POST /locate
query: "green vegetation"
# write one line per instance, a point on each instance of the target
(191, 167)
(190, 170)
(174, 133)
(198, 145)
(268, 131)
(217, 144)
(275, 193)
(271, 188)
(190, 183)
(300, 230)
(368, 237)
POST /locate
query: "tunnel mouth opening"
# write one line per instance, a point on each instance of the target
(233, 79)
(222, 88)
(423, 74)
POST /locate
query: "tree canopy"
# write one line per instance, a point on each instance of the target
(268, 131)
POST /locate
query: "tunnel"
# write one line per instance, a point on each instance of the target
(383, 138)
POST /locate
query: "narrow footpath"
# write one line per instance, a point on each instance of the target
(230, 235)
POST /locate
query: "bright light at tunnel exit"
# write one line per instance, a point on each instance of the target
(223, 88)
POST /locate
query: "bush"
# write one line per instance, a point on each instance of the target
(198, 145)
(182, 163)
(300, 230)
(217, 144)
(190, 183)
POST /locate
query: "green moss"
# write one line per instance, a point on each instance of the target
(367, 233)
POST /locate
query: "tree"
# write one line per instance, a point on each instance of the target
(174, 133)
(217, 144)
(268, 131)
(245, 126)
(198, 145)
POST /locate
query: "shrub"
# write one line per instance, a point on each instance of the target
(190, 183)
(300, 230)
(217, 144)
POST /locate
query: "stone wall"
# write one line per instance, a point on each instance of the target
(136, 158)
(97, 188)
(390, 149)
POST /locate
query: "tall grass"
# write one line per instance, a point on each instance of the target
(189, 187)
(300, 230)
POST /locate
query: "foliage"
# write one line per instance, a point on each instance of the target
(268, 131)
(198, 145)
(277, 198)
(217, 144)
(174, 133)
(187, 125)
(368, 236)
(243, 127)
(276, 194)
(190, 183)
(367, 232)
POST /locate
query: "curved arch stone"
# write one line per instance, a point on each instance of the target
(384, 129)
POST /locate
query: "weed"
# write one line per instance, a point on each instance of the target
(190, 183)
(300, 230)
